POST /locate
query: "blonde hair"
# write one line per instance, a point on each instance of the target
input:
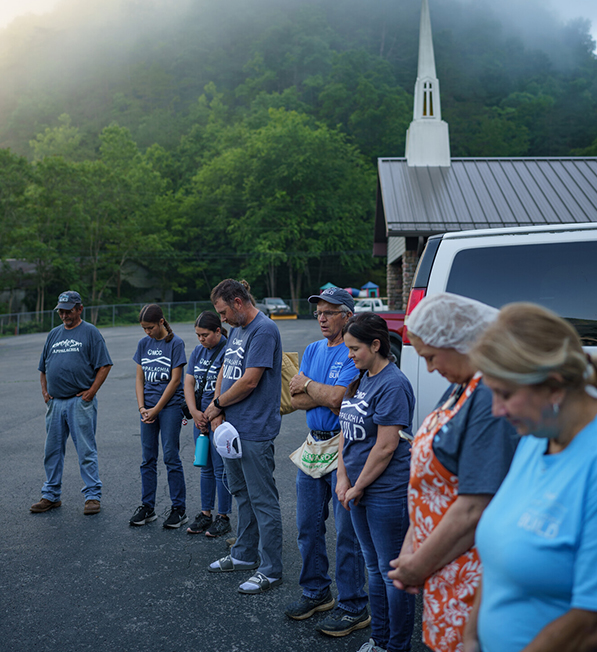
(530, 345)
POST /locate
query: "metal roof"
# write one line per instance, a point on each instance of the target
(480, 193)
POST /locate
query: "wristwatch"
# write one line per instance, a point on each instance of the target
(217, 403)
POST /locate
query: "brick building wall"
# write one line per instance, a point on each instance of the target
(410, 259)
(394, 285)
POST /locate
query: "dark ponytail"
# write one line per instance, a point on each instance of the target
(211, 322)
(367, 327)
(152, 313)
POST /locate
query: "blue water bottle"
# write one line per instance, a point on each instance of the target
(201, 450)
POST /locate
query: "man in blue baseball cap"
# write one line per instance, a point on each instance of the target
(318, 388)
(73, 366)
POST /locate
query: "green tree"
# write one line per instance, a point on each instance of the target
(15, 177)
(49, 233)
(362, 98)
(294, 191)
(58, 141)
(120, 217)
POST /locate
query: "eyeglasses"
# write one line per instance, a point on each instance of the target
(326, 313)
(62, 311)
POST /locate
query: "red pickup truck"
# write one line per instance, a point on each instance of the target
(395, 321)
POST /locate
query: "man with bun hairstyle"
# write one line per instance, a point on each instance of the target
(247, 395)
(318, 388)
(73, 366)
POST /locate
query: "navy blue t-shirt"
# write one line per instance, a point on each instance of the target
(71, 357)
(474, 445)
(158, 358)
(386, 399)
(199, 363)
(329, 365)
(257, 417)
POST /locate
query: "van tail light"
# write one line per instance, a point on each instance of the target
(416, 294)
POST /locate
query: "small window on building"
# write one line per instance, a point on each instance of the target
(427, 100)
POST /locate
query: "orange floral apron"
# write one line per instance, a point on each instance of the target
(450, 591)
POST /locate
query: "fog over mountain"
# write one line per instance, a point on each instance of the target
(512, 66)
(186, 135)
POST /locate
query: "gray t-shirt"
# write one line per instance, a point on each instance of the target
(70, 359)
(257, 417)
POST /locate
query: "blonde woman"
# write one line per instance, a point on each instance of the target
(538, 537)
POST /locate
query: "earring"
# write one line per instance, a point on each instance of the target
(556, 409)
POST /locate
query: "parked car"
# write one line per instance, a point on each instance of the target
(552, 265)
(370, 305)
(274, 306)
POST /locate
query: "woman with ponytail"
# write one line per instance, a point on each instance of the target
(373, 470)
(538, 537)
(160, 359)
(199, 387)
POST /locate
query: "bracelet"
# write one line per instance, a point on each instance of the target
(141, 408)
(306, 385)
(217, 403)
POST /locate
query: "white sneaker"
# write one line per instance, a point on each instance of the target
(371, 646)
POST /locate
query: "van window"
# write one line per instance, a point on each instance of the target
(559, 276)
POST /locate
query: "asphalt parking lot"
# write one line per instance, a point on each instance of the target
(70, 583)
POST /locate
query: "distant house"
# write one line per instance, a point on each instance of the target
(427, 192)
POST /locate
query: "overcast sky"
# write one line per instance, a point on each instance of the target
(10, 9)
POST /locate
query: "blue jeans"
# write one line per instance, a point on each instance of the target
(381, 521)
(259, 529)
(213, 478)
(312, 509)
(168, 422)
(78, 418)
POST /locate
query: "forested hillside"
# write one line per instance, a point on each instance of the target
(203, 139)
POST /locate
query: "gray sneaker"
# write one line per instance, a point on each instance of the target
(371, 646)
(305, 607)
(341, 622)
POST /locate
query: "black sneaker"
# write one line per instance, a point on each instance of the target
(200, 524)
(220, 526)
(305, 607)
(143, 514)
(341, 622)
(176, 518)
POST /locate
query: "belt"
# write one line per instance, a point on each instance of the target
(322, 435)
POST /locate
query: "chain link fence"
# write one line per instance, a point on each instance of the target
(22, 323)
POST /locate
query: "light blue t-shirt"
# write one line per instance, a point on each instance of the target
(199, 363)
(329, 365)
(71, 357)
(257, 417)
(538, 542)
(386, 399)
(158, 358)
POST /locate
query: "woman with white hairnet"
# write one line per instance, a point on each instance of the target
(460, 456)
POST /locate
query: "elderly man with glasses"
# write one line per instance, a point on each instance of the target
(318, 389)
(73, 366)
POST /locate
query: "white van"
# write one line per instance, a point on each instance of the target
(552, 265)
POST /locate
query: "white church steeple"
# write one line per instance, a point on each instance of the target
(427, 138)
